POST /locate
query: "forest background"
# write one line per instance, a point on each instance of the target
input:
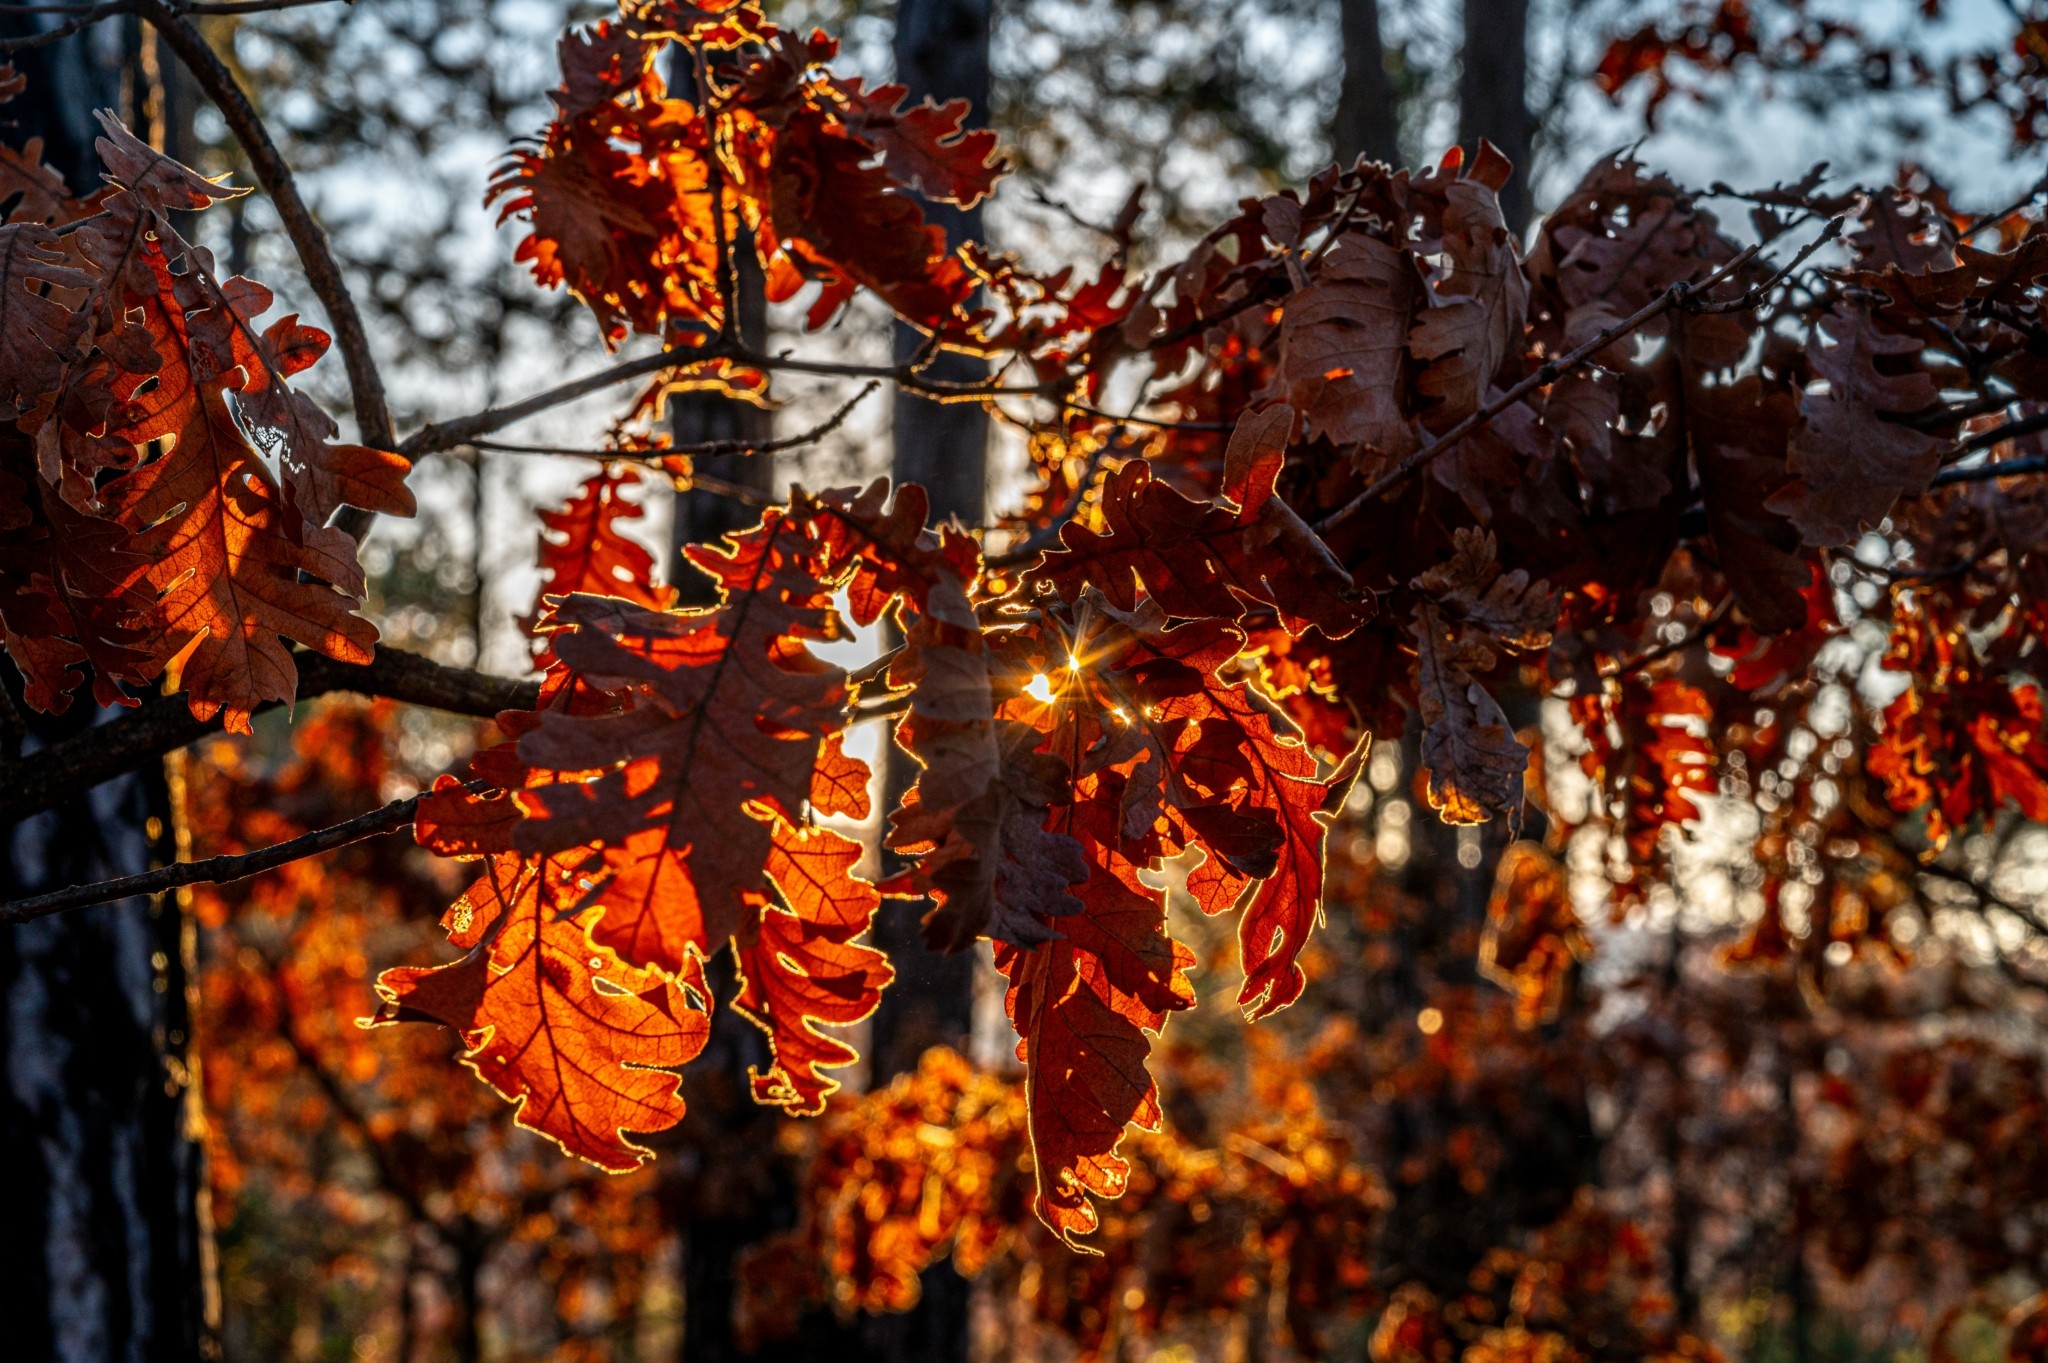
(1438, 1141)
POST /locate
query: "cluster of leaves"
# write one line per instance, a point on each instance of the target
(1695, 47)
(936, 1166)
(164, 494)
(345, 1150)
(1401, 467)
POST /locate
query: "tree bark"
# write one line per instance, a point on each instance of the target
(104, 1253)
(1368, 121)
(942, 50)
(695, 418)
(721, 1172)
(1493, 94)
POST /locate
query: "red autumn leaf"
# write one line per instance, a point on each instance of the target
(844, 222)
(1083, 1005)
(1472, 589)
(1343, 342)
(1474, 760)
(582, 548)
(804, 969)
(1475, 325)
(976, 819)
(927, 146)
(71, 592)
(727, 709)
(586, 1046)
(839, 783)
(237, 567)
(1850, 461)
(1674, 763)
(1532, 936)
(1208, 559)
(1223, 754)
(1968, 751)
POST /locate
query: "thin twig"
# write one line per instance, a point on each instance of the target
(1204, 427)
(445, 435)
(1983, 221)
(214, 870)
(1981, 473)
(316, 255)
(1548, 373)
(1623, 666)
(1763, 291)
(86, 19)
(703, 447)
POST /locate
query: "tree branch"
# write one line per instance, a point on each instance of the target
(214, 870)
(45, 779)
(655, 456)
(85, 19)
(1980, 473)
(465, 430)
(323, 271)
(1549, 373)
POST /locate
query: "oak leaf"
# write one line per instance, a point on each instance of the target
(1475, 325)
(1343, 341)
(583, 549)
(927, 146)
(235, 564)
(804, 970)
(728, 708)
(1474, 760)
(584, 1045)
(1851, 463)
(1201, 560)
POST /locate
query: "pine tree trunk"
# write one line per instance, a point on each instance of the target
(1367, 122)
(103, 1243)
(1493, 94)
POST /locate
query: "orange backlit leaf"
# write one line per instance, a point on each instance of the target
(586, 1046)
(804, 970)
(1205, 559)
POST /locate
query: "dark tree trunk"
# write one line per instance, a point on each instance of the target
(942, 50)
(698, 417)
(104, 1252)
(721, 1173)
(1493, 93)
(1368, 122)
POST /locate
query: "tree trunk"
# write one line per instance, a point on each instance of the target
(1493, 93)
(694, 418)
(942, 50)
(721, 1170)
(103, 1243)
(1368, 122)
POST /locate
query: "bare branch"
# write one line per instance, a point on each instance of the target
(466, 430)
(45, 779)
(85, 19)
(1763, 291)
(214, 870)
(323, 271)
(655, 457)
(1981, 473)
